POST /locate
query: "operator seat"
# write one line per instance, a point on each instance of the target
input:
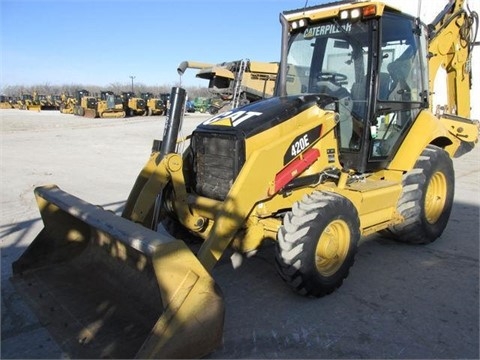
(359, 98)
(399, 71)
(384, 85)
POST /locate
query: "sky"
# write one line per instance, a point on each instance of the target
(107, 41)
(102, 42)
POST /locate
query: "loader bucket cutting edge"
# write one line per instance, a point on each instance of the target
(98, 282)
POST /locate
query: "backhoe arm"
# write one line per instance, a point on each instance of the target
(451, 39)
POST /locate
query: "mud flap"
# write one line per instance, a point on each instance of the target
(98, 281)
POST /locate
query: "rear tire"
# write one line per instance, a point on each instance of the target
(427, 198)
(212, 110)
(317, 243)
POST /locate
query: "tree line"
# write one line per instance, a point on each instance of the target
(117, 88)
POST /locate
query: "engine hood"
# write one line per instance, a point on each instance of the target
(256, 117)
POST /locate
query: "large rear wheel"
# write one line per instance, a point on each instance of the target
(427, 198)
(317, 243)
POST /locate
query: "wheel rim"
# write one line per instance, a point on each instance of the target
(332, 247)
(435, 197)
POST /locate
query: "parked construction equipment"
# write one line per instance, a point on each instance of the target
(5, 102)
(134, 105)
(67, 104)
(236, 83)
(348, 146)
(85, 105)
(44, 101)
(27, 102)
(55, 100)
(201, 103)
(110, 105)
(165, 97)
(155, 106)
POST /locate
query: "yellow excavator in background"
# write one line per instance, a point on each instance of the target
(348, 146)
(235, 83)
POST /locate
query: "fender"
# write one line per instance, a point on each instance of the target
(426, 129)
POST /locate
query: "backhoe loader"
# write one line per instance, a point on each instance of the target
(45, 102)
(28, 102)
(67, 104)
(348, 146)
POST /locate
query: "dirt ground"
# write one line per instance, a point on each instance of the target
(399, 301)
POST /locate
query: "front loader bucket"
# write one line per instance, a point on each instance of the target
(106, 287)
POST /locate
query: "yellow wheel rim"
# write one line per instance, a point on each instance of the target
(332, 247)
(435, 197)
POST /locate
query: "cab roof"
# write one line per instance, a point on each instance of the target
(333, 9)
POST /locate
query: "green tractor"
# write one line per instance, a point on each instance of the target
(201, 104)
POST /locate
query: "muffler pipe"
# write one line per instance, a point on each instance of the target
(184, 65)
(173, 121)
(142, 191)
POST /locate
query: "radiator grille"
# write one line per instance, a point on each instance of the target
(218, 159)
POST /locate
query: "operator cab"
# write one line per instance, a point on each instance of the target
(372, 64)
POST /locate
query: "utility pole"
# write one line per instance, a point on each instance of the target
(132, 77)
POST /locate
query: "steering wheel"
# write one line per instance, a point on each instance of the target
(336, 78)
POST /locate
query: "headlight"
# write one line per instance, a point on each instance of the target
(298, 24)
(358, 13)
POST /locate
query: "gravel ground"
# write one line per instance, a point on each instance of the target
(399, 301)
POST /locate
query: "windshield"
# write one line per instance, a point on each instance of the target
(329, 58)
(324, 50)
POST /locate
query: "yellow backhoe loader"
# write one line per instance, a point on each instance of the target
(55, 101)
(347, 146)
(45, 101)
(235, 83)
(67, 104)
(28, 102)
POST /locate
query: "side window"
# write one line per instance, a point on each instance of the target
(299, 61)
(401, 80)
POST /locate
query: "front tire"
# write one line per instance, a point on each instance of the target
(317, 243)
(427, 198)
